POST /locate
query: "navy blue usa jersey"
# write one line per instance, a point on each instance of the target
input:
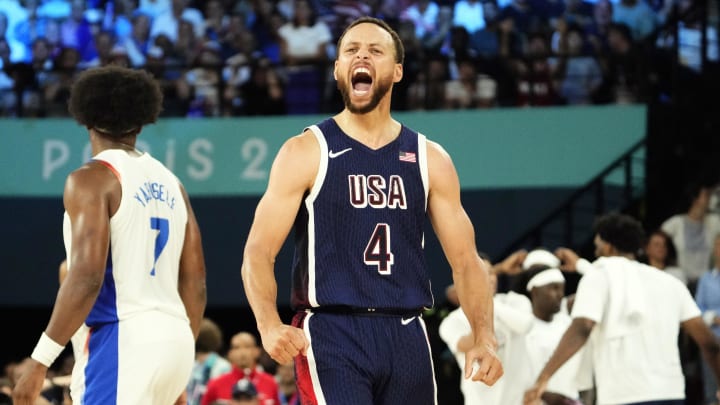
(359, 231)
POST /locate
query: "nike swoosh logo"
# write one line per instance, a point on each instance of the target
(407, 321)
(333, 155)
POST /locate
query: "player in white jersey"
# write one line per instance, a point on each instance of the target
(136, 268)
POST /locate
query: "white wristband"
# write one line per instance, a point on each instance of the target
(46, 350)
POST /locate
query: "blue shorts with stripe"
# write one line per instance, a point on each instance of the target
(365, 359)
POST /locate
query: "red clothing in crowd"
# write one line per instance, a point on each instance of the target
(220, 387)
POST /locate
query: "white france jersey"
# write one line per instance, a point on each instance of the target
(147, 234)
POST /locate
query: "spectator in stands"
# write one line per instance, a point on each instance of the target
(708, 299)
(216, 20)
(578, 13)
(264, 93)
(60, 80)
(535, 75)
(209, 363)
(694, 232)
(244, 353)
(427, 91)
(187, 44)
(14, 13)
(660, 252)
(155, 8)
(638, 312)
(524, 18)
(624, 69)
(597, 32)
(18, 52)
(303, 48)
(468, 14)
(138, 42)
(285, 377)
(470, 89)
(32, 27)
(423, 14)
(103, 44)
(7, 83)
(198, 87)
(579, 74)
(168, 22)
(71, 28)
(498, 39)
(637, 15)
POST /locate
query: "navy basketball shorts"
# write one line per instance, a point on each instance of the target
(364, 359)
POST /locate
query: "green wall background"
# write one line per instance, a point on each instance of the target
(499, 148)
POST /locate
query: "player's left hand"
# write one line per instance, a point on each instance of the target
(28, 387)
(482, 363)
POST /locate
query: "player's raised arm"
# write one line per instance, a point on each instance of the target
(292, 175)
(470, 274)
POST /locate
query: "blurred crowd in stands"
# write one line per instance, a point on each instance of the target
(269, 57)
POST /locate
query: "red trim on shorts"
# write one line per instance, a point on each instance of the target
(302, 369)
(111, 167)
(86, 346)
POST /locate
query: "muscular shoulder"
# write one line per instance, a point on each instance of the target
(297, 161)
(92, 176)
(440, 165)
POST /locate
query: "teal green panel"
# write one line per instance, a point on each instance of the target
(495, 148)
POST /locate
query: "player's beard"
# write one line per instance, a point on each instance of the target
(382, 88)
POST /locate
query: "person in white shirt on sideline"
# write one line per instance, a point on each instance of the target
(512, 318)
(546, 287)
(636, 312)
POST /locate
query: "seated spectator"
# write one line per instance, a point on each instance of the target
(60, 80)
(660, 252)
(423, 14)
(427, 91)
(579, 74)
(244, 353)
(624, 69)
(138, 42)
(167, 23)
(470, 89)
(198, 87)
(637, 15)
(597, 32)
(18, 51)
(535, 74)
(694, 232)
(264, 93)
(468, 14)
(303, 49)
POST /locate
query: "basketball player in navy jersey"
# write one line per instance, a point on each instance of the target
(357, 188)
(136, 272)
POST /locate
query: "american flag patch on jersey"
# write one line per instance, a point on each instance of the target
(408, 157)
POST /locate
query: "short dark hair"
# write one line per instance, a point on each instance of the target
(399, 48)
(114, 100)
(623, 232)
(210, 337)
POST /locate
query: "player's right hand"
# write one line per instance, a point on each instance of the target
(284, 342)
(27, 389)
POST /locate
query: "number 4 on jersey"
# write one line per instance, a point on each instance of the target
(378, 251)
